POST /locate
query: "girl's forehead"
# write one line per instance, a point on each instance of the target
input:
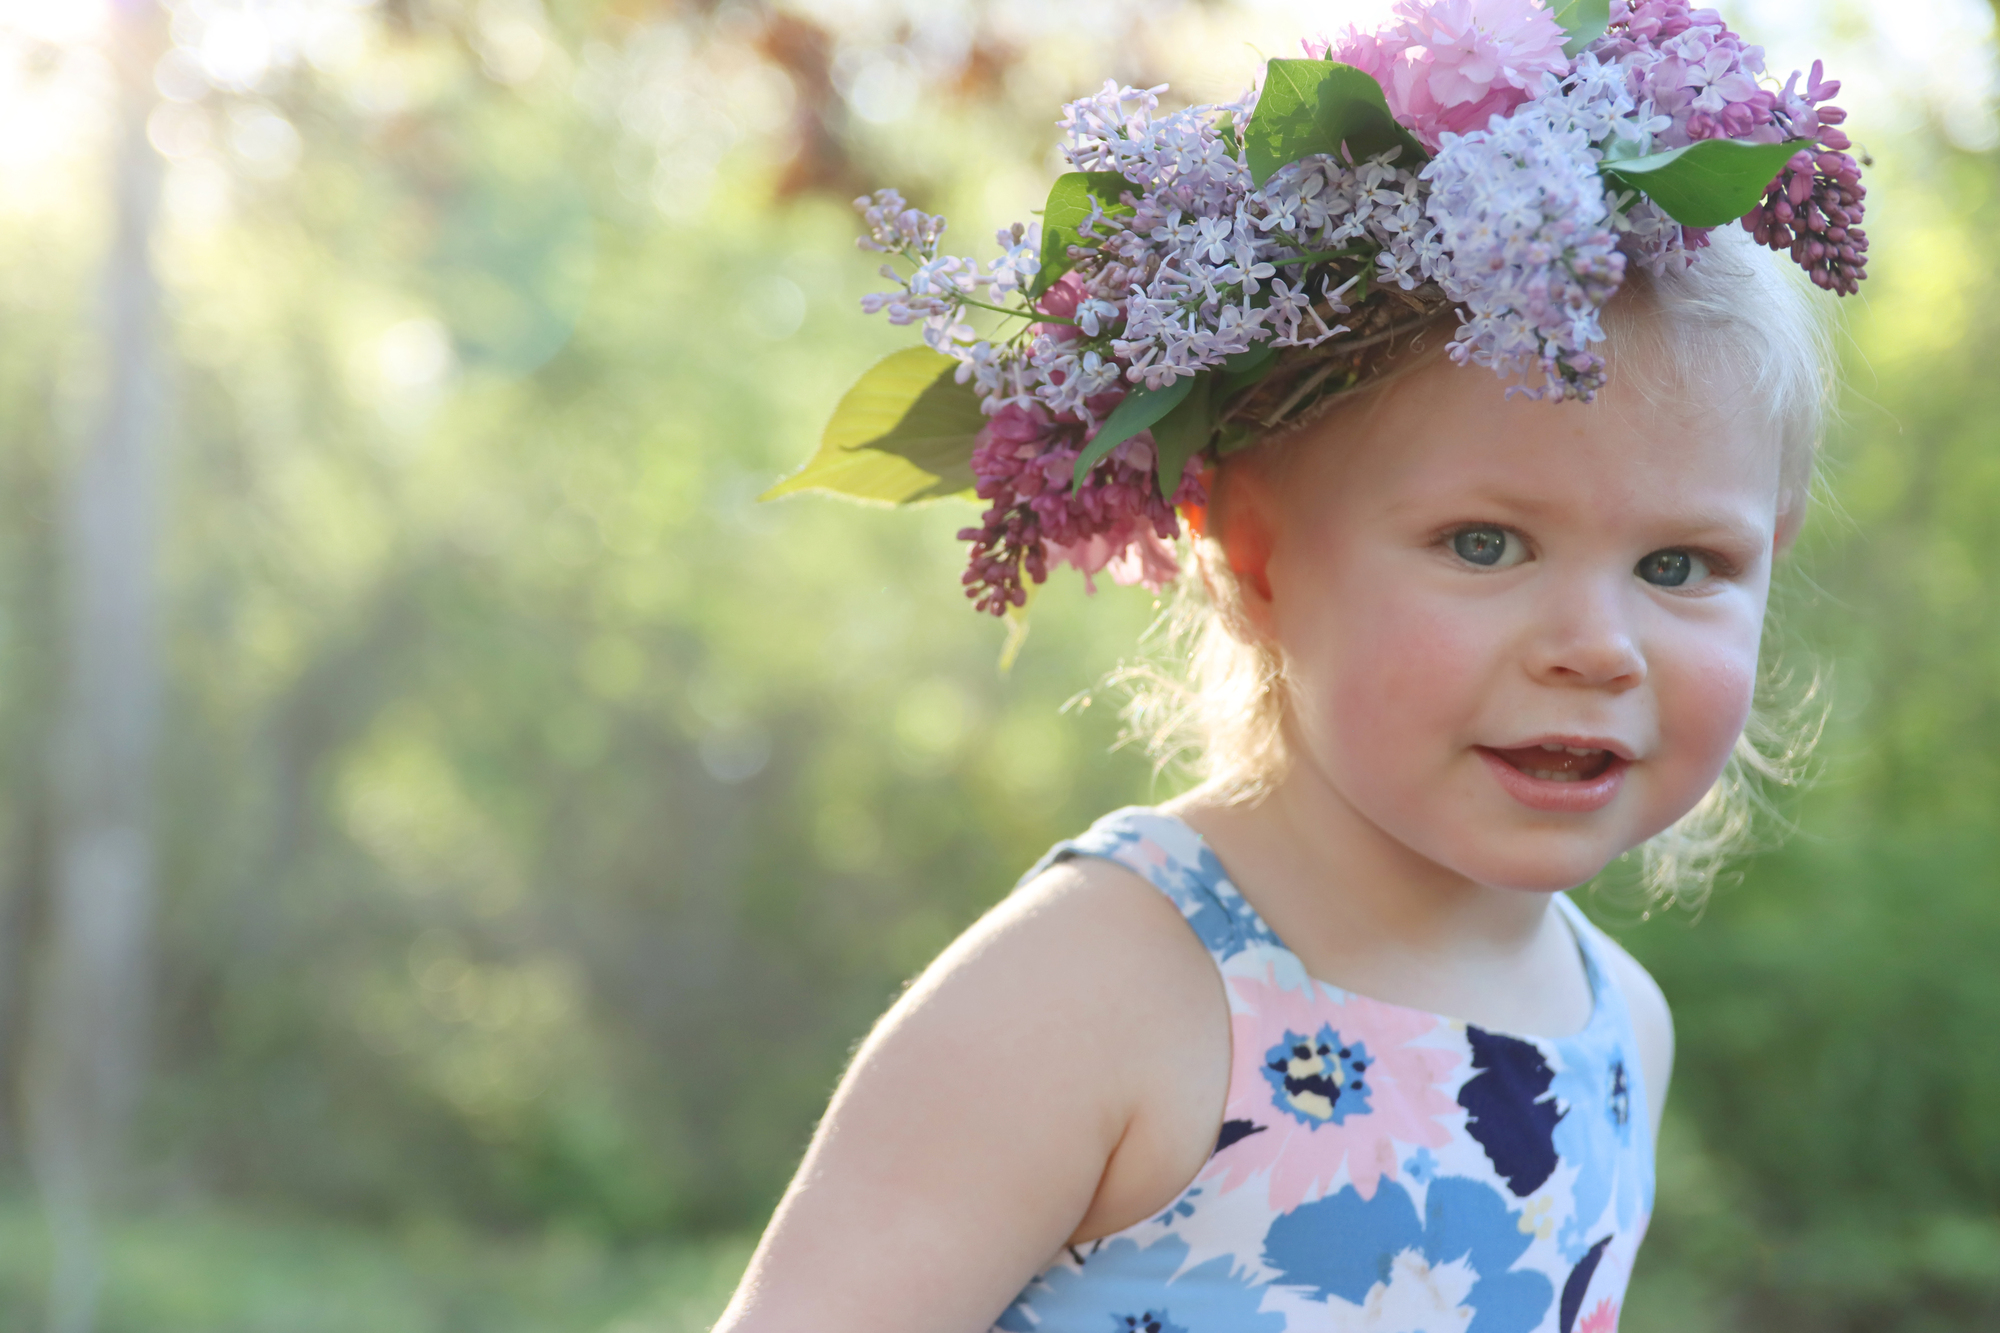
(1446, 434)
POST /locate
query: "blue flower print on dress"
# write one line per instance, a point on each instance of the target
(1146, 1321)
(1220, 916)
(1173, 858)
(1317, 1079)
(1421, 1166)
(1453, 1268)
(1596, 1126)
(1510, 1109)
(1122, 1288)
(1181, 1207)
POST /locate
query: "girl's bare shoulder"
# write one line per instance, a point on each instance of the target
(1057, 1072)
(1086, 966)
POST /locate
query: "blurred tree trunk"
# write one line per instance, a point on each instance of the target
(91, 1009)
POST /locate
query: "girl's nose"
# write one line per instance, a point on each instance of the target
(1587, 639)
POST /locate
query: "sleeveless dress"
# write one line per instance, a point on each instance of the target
(1379, 1168)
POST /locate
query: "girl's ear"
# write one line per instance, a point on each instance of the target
(1791, 517)
(1242, 513)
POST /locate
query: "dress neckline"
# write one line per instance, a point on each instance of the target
(1595, 975)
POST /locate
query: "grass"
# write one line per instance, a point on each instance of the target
(216, 1270)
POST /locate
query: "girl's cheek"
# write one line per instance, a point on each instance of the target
(1705, 704)
(1398, 682)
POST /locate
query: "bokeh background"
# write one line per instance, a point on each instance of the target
(451, 836)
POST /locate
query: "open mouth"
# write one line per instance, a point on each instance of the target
(1557, 763)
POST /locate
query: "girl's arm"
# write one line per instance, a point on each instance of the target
(1061, 1035)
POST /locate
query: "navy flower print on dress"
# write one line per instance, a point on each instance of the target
(1511, 1111)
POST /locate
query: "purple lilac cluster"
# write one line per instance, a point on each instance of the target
(939, 285)
(1706, 81)
(1116, 521)
(1510, 220)
(1814, 208)
(1524, 236)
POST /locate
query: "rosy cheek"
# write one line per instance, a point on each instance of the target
(1713, 709)
(1396, 690)
(1704, 705)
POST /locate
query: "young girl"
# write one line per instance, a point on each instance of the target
(1321, 1045)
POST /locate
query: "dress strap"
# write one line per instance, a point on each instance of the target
(1594, 945)
(1171, 856)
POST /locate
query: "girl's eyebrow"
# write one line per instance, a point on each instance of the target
(1692, 525)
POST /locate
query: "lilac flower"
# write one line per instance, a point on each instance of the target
(1117, 521)
(1526, 246)
(893, 226)
(1814, 208)
(1695, 71)
(1021, 262)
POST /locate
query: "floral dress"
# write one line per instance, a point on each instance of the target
(1379, 1168)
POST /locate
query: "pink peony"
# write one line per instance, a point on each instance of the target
(1303, 1139)
(1131, 552)
(1449, 66)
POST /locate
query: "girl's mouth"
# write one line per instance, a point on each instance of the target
(1562, 779)
(1558, 763)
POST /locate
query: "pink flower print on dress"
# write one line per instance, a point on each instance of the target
(1324, 1080)
(1604, 1319)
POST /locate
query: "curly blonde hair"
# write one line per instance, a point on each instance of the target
(1210, 696)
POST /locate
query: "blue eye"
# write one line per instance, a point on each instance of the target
(1672, 569)
(1486, 545)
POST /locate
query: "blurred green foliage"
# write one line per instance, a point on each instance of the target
(544, 820)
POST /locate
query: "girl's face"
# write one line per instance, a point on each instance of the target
(1521, 636)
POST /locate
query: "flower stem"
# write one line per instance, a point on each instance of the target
(1350, 253)
(1035, 315)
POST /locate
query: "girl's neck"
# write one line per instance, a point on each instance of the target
(1365, 912)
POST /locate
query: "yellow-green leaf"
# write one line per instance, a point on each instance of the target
(903, 433)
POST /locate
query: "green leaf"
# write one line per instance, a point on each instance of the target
(1068, 206)
(1243, 369)
(1183, 433)
(1233, 436)
(1139, 410)
(1315, 106)
(1584, 21)
(903, 433)
(1705, 184)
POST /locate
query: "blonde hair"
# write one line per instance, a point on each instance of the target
(1210, 699)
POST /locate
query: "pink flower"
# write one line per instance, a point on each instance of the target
(1330, 1080)
(1130, 549)
(1452, 65)
(1062, 298)
(1024, 466)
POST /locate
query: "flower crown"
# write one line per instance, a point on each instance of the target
(1211, 274)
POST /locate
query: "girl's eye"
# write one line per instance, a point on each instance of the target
(1488, 546)
(1672, 569)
